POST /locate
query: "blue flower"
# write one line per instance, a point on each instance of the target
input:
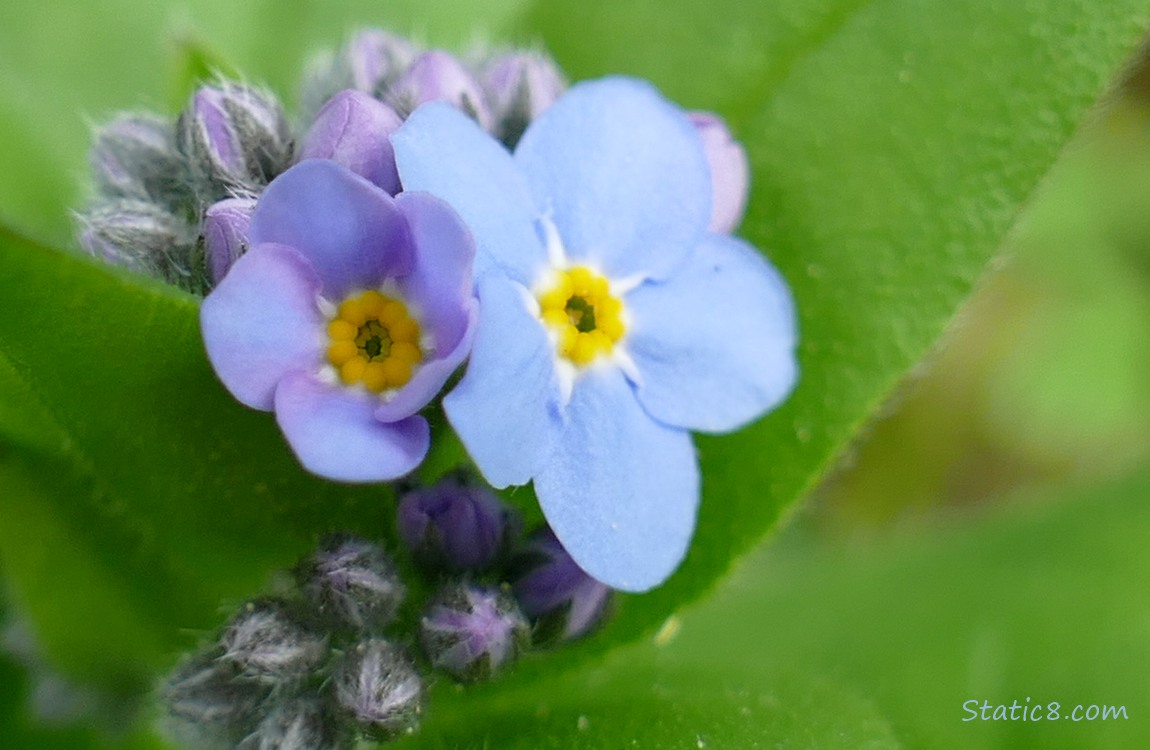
(345, 318)
(612, 322)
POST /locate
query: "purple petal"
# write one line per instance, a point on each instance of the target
(440, 288)
(436, 76)
(729, 171)
(506, 409)
(623, 173)
(348, 229)
(262, 323)
(620, 490)
(335, 435)
(442, 151)
(226, 227)
(715, 343)
(352, 129)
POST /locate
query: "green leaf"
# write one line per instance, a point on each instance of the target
(892, 143)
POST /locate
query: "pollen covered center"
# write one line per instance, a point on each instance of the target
(373, 341)
(586, 318)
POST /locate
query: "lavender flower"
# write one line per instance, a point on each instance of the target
(456, 525)
(346, 317)
(379, 688)
(612, 321)
(555, 592)
(472, 632)
(352, 129)
(353, 581)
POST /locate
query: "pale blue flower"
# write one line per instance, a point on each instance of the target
(612, 322)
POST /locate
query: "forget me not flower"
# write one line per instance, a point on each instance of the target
(612, 322)
(345, 318)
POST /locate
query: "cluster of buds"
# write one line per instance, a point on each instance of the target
(309, 671)
(325, 663)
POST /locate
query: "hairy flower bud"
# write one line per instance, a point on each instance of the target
(379, 687)
(455, 525)
(353, 581)
(206, 706)
(225, 233)
(236, 139)
(472, 632)
(143, 237)
(519, 87)
(352, 129)
(437, 76)
(266, 642)
(565, 602)
(369, 62)
(729, 171)
(298, 724)
(135, 156)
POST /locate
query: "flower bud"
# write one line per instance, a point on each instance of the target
(135, 156)
(437, 76)
(267, 643)
(140, 236)
(297, 724)
(379, 687)
(236, 139)
(354, 582)
(729, 171)
(225, 231)
(565, 602)
(369, 62)
(519, 87)
(206, 706)
(473, 632)
(352, 129)
(456, 526)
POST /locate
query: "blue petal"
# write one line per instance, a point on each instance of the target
(441, 150)
(506, 409)
(624, 175)
(621, 490)
(261, 322)
(349, 230)
(439, 286)
(335, 435)
(714, 345)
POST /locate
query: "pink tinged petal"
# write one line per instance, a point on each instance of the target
(441, 151)
(261, 323)
(624, 175)
(440, 288)
(714, 345)
(352, 129)
(348, 229)
(333, 432)
(621, 490)
(506, 409)
(730, 177)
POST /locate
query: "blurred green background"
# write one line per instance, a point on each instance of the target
(986, 536)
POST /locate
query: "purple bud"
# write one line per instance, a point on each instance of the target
(354, 582)
(297, 724)
(519, 87)
(225, 231)
(135, 156)
(473, 632)
(455, 525)
(729, 171)
(236, 139)
(437, 76)
(379, 687)
(143, 237)
(206, 706)
(557, 593)
(369, 62)
(353, 129)
(266, 642)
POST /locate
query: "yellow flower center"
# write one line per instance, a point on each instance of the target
(374, 341)
(586, 318)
